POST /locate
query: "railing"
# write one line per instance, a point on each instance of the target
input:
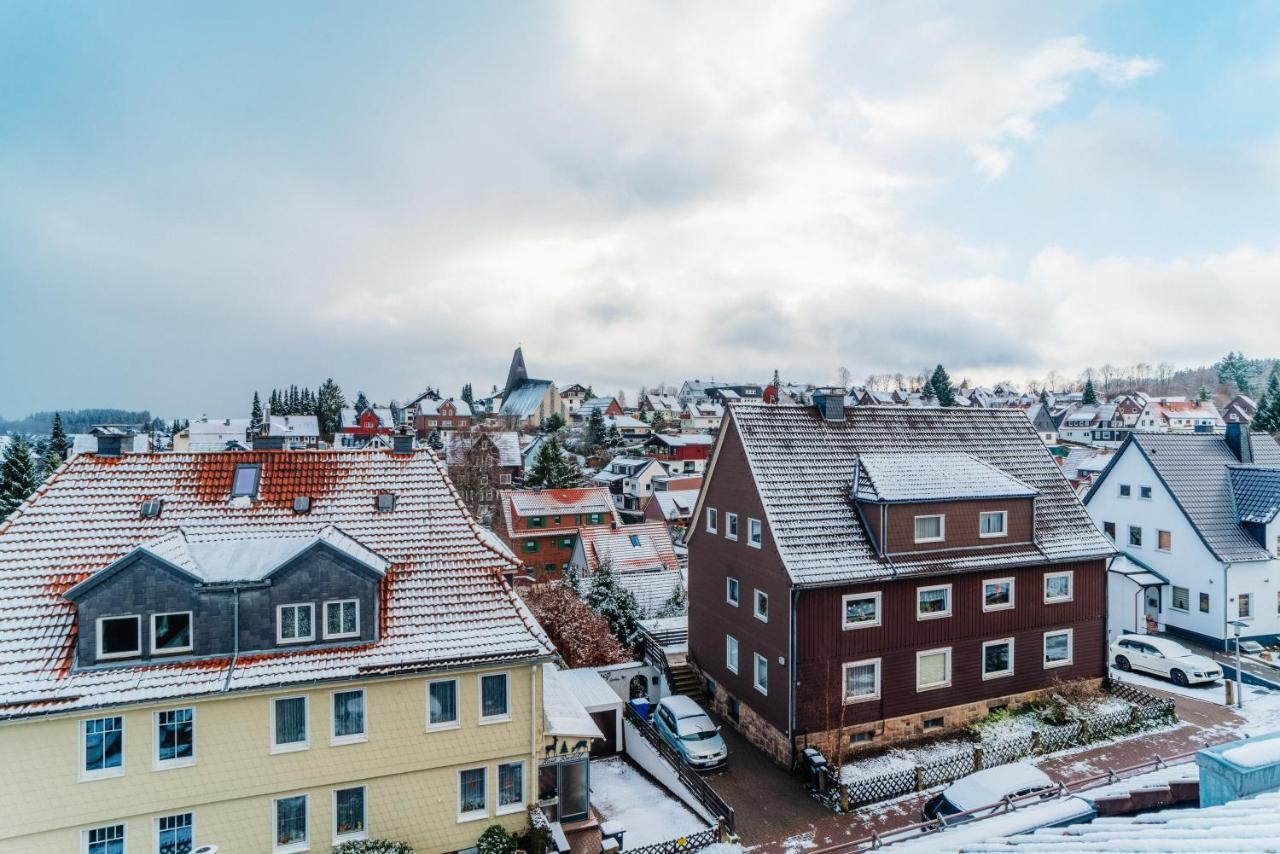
(656, 655)
(699, 787)
(688, 842)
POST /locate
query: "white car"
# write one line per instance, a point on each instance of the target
(1163, 657)
(987, 787)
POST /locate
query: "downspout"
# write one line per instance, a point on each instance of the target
(791, 684)
(235, 638)
(1225, 616)
(533, 726)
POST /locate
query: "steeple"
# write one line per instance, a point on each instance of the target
(517, 374)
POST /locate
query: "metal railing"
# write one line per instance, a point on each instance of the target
(699, 787)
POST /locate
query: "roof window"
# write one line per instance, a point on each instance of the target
(246, 481)
(386, 502)
(302, 504)
(151, 508)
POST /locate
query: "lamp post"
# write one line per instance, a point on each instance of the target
(1239, 624)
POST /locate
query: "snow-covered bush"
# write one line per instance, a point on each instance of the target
(496, 840)
(372, 846)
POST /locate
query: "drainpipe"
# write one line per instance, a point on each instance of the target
(791, 684)
(533, 726)
(235, 638)
(1226, 647)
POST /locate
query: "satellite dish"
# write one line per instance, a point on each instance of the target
(206, 849)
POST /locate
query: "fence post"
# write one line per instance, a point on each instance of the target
(1035, 742)
(977, 759)
(919, 779)
(1135, 715)
(722, 832)
(1084, 730)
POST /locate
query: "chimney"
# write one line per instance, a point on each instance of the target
(111, 440)
(1240, 442)
(829, 403)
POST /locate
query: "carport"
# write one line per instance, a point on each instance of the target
(601, 703)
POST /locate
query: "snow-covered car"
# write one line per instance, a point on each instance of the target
(683, 724)
(1164, 657)
(987, 787)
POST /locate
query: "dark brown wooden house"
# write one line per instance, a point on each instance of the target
(875, 573)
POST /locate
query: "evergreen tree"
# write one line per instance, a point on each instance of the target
(434, 440)
(613, 437)
(467, 394)
(1234, 369)
(615, 603)
(550, 469)
(595, 429)
(19, 475)
(1090, 397)
(554, 423)
(1267, 417)
(49, 462)
(255, 416)
(1044, 397)
(1204, 395)
(573, 581)
(58, 443)
(675, 605)
(362, 402)
(926, 394)
(941, 384)
(329, 406)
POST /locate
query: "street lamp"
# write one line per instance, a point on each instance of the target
(1238, 625)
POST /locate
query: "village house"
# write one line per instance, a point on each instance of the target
(430, 414)
(573, 397)
(608, 407)
(870, 574)
(212, 434)
(299, 432)
(542, 526)
(673, 501)
(482, 462)
(1099, 426)
(664, 406)
(697, 417)
(640, 555)
(628, 427)
(356, 429)
(1239, 410)
(680, 454)
(265, 651)
(630, 483)
(1179, 415)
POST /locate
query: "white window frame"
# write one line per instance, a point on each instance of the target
(844, 611)
(333, 811)
(755, 533)
(191, 633)
(305, 844)
(456, 723)
(942, 528)
(108, 656)
(731, 653)
(755, 673)
(100, 773)
(158, 764)
(280, 639)
(493, 719)
(293, 746)
(124, 836)
(844, 681)
(1071, 587)
(1071, 648)
(713, 520)
(755, 605)
(1004, 524)
(983, 662)
(731, 526)
(1013, 594)
(1172, 590)
(729, 594)
(474, 815)
(339, 635)
(336, 740)
(933, 686)
(940, 614)
(155, 827)
(498, 808)
(1160, 531)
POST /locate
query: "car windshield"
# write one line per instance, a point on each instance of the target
(696, 728)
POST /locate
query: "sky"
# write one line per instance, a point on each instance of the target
(200, 200)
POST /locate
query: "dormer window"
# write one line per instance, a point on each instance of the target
(930, 529)
(151, 508)
(170, 633)
(386, 502)
(246, 481)
(119, 637)
(294, 623)
(302, 504)
(993, 524)
(342, 619)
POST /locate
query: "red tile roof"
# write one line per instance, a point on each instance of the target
(554, 502)
(630, 548)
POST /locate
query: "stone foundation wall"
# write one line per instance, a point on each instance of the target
(771, 741)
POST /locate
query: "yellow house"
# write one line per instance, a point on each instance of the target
(266, 651)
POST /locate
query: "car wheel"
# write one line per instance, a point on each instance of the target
(1123, 663)
(1179, 678)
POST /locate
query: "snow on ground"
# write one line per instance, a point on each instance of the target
(647, 811)
(902, 758)
(799, 842)
(1261, 705)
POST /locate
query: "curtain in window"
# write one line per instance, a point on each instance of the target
(933, 601)
(933, 668)
(928, 528)
(174, 834)
(992, 523)
(291, 720)
(860, 681)
(350, 810)
(493, 696)
(1057, 586)
(291, 820)
(348, 713)
(510, 784)
(471, 794)
(444, 702)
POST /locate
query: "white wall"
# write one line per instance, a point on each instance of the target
(647, 757)
(1124, 606)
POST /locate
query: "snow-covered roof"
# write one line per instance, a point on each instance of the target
(87, 443)
(523, 400)
(444, 599)
(682, 440)
(562, 712)
(350, 418)
(430, 406)
(507, 442)
(629, 548)
(565, 503)
(589, 687)
(804, 465)
(677, 504)
(932, 476)
(625, 422)
(651, 589)
(302, 426)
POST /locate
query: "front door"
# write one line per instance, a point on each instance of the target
(575, 791)
(1151, 596)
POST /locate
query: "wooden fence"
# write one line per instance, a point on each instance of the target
(700, 788)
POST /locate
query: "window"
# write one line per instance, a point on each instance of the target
(1059, 586)
(1057, 648)
(342, 618)
(861, 610)
(291, 824)
(731, 591)
(170, 633)
(997, 594)
(1204, 603)
(471, 794)
(1109, 528)
(1144, 492)
(1181, 599)
(510, 787)
(442, 704)
(504, 479)
(529, 546)
(754, 533)
(1244, 606)
(731, 526)
(350, 821)
(1135, 536)
(933, 669)
(997, 658)
(548, 568)
(302, 504)
(634, 540)
(731, 653)
(104, 840)
(595, 518)
(386, 502)
(102, 748)
(537, 522)
(288, 724)
(566, 542)
(151, 508)
(1125, 490)
(762, 674)
(348, 717)
(1164, 541)
(862, 680)
(175, 738)
(993, 524)
(246, 481)
(933, 723)
(493, 697)
(930, 529)
(933, 602)
(762, 606)
(174, 834)
(119, 637)
(293, 623)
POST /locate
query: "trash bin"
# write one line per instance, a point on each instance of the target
(641, 707)
(816, 767)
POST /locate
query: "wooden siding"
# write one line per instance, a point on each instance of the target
(961, 526)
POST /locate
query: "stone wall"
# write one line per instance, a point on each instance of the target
(754, 728)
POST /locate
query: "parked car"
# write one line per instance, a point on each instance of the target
(990, 786)
(1164, 657)
(686, 728)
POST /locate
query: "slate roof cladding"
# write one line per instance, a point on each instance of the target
(1194, 467)
(1256, 491)
(804, 466)
(924, 476)
(445, 603)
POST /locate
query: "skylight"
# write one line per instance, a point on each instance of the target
(246, 481)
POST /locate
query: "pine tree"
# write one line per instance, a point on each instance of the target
(941, 384)
(49, 462)
(467, 394)
(1203, 394)
(329, 406)
(554, 423)
(1267, 416)
(1235, 369)
(58, 443)
(675, 605)
(362, 402)
(1090, 397)
(550, 468)
(595, 428)
(615, 603)
(1044, 397)
(613, 437)
(255, 416)
(434, 440)
(19, 475)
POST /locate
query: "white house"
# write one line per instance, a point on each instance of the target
(630, 482)
(1198, 511)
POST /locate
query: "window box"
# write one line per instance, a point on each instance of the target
(295, 623)
(341, 619)
(933, 669)
(175, 738)
(171, 633)
(495, 698)
(348, 711)
(930, 529)
(861, 680)
(933, 602)
(997, 658)
(1059, 586)
(860, 610)
(993, 524)
(997, 594)
(442, 705)
(1057, 648)
(290, 730)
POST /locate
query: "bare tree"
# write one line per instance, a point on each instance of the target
(843, 375)
(1108, 372)
(473, 459)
